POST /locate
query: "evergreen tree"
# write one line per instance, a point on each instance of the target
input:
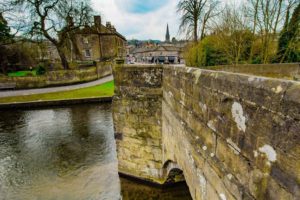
(289, 44)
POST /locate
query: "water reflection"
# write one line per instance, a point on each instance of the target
(65, 153)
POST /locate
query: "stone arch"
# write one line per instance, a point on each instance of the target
(172, 172)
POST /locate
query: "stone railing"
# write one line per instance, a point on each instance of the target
(234, 136)
(289, 71)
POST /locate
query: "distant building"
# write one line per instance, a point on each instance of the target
(91, 43)
(166, 52)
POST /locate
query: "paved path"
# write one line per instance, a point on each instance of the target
(54, 89)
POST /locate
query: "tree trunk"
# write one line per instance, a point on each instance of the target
(277, 18)
(63, 58)
(254, 32)
(203, 29)
(195, 31)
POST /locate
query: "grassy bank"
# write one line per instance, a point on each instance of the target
(22, 73)
(103, 90)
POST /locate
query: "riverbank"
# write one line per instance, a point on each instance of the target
(54, 103)
(99, 93)
(59, 77)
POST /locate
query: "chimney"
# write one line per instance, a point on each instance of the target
(97, 21)
(113, 29)
(108, 25)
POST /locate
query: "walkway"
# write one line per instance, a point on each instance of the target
(54, 89)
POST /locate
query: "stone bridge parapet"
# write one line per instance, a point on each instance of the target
(234, 136)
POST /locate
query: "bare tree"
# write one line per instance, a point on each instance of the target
(254, 11)
(196, 15)
(191, 11)
(54, 20)
(233, 35)
(210, 11)
(268, 17)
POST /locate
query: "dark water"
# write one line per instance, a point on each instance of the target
(66, 153)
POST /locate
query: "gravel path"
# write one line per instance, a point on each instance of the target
(13, 93)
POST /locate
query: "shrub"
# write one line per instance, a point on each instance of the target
(40, 70)
(205, 53)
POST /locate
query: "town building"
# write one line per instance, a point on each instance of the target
(165, 52)
(91, 43)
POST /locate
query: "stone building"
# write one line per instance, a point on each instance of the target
(166, 52)
(91, 43)
(161, 54)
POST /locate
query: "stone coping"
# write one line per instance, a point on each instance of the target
(54, 103)
(289, 71)
(276, 92)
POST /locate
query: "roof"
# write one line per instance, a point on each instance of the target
(158, 48)
(102, 30)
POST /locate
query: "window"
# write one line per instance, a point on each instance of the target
(87, 53)
(85, 40)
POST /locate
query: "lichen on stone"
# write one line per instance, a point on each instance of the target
(222, 196)
(238, 116)
(269, 152)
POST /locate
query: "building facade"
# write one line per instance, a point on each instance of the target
(91, 43)
(165, 52)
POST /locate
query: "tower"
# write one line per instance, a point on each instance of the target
(168, 34)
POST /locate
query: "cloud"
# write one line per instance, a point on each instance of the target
(146, 20)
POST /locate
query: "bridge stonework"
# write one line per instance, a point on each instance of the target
(234, 136)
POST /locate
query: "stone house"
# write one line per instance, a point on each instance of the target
(91, 43)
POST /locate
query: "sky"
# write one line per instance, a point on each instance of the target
(142, 19)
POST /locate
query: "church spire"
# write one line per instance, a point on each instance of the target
(168, 34)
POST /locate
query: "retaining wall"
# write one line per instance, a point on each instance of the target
(61, 77)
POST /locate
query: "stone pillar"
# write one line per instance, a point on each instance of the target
(137, 107)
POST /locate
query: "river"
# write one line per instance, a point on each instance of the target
(67, 153)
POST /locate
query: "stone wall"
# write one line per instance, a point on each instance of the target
(234, 136)
(61, 77)
(290, 71)
(137, 120)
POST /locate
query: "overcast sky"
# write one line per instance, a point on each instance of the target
(141, 19)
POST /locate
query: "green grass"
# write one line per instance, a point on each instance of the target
(22, 73)
(104, 90)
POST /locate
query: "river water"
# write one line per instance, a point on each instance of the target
(67, 153)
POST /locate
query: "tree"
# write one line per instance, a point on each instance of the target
(210, 11)
(4, 30)
(55, 20)
(196, 15)
(254, 4)
(233, 36)
(191, 12)
(267, 18)
(289, 44)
